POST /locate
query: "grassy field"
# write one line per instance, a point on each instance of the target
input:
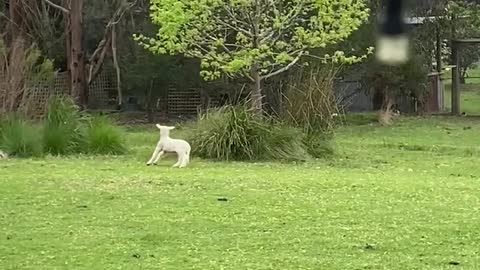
(406, 197)
(469, 98)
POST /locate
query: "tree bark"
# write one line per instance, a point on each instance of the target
(98, 57)
(117, 67)
(68, 43)
(150, 100)
(16, 57)
(256, 94)
(463, 75)
(438, 49)
(77, 61)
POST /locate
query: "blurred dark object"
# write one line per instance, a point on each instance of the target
(392, 41)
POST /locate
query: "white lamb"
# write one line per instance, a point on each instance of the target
(169, 145)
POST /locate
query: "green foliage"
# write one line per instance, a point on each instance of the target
(467, 26)
(62, 133)
(462, 16)
(234, 37)
(319, 144)
(19, 137)
(43, 25)
(311, 106)
(235, 133)
(409, 79)
(66, 132)
(142, 72)
(105, 138)
(37, 67)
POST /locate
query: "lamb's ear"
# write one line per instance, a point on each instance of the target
(159, 126)
(170, 128)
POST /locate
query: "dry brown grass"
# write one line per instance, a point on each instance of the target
(310, 101)
(386, 114)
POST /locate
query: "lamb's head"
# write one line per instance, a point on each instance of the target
(164, 130)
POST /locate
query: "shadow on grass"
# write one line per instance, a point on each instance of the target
(439, 149)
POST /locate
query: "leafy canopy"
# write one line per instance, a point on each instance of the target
(458, 19)
(234, 37)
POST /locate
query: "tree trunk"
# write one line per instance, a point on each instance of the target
(117, 67)
(150, 100)
(438, 49)
(463, 75)
(77, 56)
(98, 57)
(17, 75)
(68, 43)
(16, 59)
(379, 95)
(256, 94)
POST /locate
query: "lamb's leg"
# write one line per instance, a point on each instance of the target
(158, 157)
(179, 161)
(157, 151)
(185, 161)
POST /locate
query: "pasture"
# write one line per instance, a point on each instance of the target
(403, 197)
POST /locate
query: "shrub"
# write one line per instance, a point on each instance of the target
(388, 84)
(311, 106)
(283, 143)
(20, 138)
(310, 100)
(105, 138)
(62, 128)
(234, 133)
(319, 145)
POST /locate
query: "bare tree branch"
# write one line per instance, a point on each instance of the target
(233, 27)
(117, 66)
(94, 63)
(64, 10)
(98, 57)
(285, 68)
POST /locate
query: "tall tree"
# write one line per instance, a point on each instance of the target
(108, 43)
(80, 79)
(73, 10)
(252, 39)
(17, 44)
(459, 19)
(77, 54)
(20, 60)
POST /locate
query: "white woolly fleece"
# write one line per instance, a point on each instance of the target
(169, 145)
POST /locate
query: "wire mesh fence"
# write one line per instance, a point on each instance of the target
(102, 92)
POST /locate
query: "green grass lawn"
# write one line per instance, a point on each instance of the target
(469, 98)
(405, 197)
